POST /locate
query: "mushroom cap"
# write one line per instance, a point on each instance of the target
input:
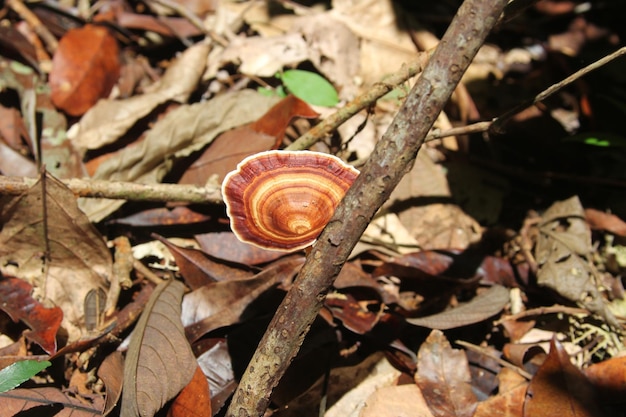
(281, 200)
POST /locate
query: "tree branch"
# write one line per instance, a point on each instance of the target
(393, 156)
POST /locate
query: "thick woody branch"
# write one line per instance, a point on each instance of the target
(393, 156)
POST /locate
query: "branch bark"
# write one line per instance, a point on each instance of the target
(393, 156)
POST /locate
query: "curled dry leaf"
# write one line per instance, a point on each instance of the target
(111, 372)
(159, 362)
(84, 69)
(197, 269)
(16, 301)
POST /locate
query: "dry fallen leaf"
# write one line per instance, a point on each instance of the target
(108, 120)
(111, 372)
(194, 400)
(444, 378)
(559, 389)
(16, 301)
(398, 401)
(85, 68)
(562, 252)
(159, 362)
(175, 136)
(49, 242)
(33, 401)
(481, 307)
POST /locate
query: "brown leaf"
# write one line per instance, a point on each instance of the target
(50, 241)
(163, 216)
(403, 400)
(232, 146)
(13, 129)
(278, 118)
(179, 133)
(481, 307)
(197, 269)
(84, 69)
(609, 379)
(109, 119)
(216, 364)
(221, 303)
(509, 401)
(600, 220)
(358, 316)
(15, 300)
(562, 252)
(194, 400)
(444, 378)
(111, 372)
(55, 402)
(559, 389)
(226, 246)
(159, 362)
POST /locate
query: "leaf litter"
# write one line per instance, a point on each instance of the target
(491, 280)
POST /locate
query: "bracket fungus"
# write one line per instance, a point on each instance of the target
(281, 200)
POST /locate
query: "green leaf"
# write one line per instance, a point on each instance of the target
(310, 87)
(18, 372)
(598, 139)
(271, 92)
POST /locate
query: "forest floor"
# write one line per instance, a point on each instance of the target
(489, 283)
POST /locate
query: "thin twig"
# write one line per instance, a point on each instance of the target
(31, 18)
(392, 157)
(332, 122)
(498, 124)
(122, 190)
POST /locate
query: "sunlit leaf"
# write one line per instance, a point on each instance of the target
(310, 87)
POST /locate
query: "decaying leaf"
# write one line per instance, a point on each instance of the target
(221, 303)
(510, 399)
(197, 269)
(47, 241)
(159, 362)
(180, 133)
(444, 378)
(194, 400)
(265, 56)
(49, 401)
(404, 400)
(85, 68)
(111, 372)
(109, 119)
(230, 147)
(16, 301)
(481, 307)
(559, 389)
(563, 253)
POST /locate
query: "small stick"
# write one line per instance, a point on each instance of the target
(122, 190)
(31, 18)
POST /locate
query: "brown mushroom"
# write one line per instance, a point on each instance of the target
(281, 200)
